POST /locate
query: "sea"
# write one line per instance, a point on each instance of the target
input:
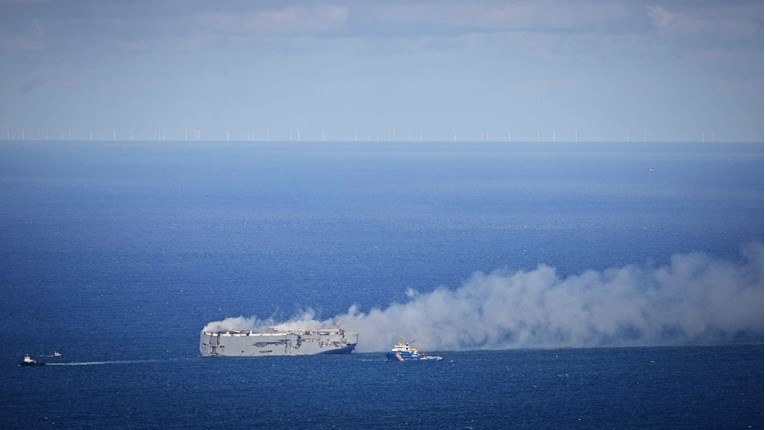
(116, 254)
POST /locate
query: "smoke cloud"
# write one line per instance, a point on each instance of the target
(694, 299)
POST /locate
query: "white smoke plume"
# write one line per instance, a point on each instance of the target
(305, 320)
(695, 299)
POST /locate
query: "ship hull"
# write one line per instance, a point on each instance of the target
(287, 343)
(407, 356)
(401, 356)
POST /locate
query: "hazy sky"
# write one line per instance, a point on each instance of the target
(611, 70)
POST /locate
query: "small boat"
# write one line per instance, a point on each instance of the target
(29, 361)
(56, 354)
(403, 352)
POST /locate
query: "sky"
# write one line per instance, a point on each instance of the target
(545, 70)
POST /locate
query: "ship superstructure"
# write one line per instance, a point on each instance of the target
(272, 342)
(403, 352)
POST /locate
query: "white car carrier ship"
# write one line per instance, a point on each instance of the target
(272, 342)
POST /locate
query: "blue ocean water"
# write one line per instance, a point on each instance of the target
(123, 251)
(689, 387)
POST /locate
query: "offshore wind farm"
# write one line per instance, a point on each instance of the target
(520, 265)
(323, 135)
(259, 214)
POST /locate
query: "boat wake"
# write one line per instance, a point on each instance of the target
(98, 363)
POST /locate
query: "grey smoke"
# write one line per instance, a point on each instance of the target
(695, 299)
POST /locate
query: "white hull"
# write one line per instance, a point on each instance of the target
(276, 343)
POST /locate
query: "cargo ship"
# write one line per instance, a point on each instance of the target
(403, 352)
(273, 342)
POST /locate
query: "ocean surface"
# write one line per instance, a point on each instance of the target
(116, 254)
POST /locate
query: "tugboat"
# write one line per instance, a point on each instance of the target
(29, 361)
(403, 352)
